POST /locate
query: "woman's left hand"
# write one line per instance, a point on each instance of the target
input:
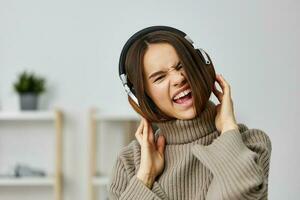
(225, 119)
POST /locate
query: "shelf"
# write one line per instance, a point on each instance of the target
(128, 119)
(27, 115)
(55, 116)
(30, 181)
(101, 180)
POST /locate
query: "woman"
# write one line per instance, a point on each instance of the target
(199, 151)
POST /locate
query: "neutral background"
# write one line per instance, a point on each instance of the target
(76, 45)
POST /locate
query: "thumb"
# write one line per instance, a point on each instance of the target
(161, 143)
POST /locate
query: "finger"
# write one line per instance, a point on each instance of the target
(223, 80)
(139, 137)
(224, 85)
(227, 86)
(149, 137)
(220, 81)
(218, 94)
(151, 134)
(161, 143)
(145, 131)
(138, 133)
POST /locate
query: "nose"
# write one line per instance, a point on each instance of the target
(178, 79)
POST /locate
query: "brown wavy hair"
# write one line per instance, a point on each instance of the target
(200, 76)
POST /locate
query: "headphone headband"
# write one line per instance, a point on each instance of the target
(136, 36)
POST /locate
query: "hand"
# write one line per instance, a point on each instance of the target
(152, 154)
(225, 119)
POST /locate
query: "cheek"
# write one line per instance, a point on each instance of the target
(160, 95)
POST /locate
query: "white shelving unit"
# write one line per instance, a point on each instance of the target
(131, 119)
(27, 181)
(27, 115)
(55, 181)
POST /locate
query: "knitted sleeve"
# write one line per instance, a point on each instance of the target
(239, 163)
(124, 186)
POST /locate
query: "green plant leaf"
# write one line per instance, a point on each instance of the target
(29, 83)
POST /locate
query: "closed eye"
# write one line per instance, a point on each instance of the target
(159, 78)
(179, 66)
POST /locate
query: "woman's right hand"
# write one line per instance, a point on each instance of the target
(152, 153)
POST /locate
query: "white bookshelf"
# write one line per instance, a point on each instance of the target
(95, 117)
(56, 117)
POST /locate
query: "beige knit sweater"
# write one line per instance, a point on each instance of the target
(199, 163)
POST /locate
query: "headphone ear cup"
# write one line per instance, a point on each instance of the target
(133, 90)
(201, 56)
(130, 85)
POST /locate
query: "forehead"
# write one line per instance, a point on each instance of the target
(159, 57)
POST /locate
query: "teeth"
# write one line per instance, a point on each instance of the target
(181, 94)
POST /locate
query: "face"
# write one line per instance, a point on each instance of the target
(166, 82)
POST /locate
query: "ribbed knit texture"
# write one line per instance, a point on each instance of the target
(200, 163)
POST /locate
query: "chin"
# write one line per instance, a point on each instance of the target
(185, 115)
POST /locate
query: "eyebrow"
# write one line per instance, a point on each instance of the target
(160, 72)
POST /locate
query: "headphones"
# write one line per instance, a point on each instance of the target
(122, 71)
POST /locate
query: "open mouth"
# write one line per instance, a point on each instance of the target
(184, 97)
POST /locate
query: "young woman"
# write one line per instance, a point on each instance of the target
(199, 151)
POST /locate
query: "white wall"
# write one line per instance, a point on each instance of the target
(76, 45)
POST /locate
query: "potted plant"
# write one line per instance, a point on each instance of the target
(29, 86)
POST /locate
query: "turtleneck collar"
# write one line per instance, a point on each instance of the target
(180, 131)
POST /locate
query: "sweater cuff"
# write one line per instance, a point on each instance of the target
(230, 161)
(137, 190)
